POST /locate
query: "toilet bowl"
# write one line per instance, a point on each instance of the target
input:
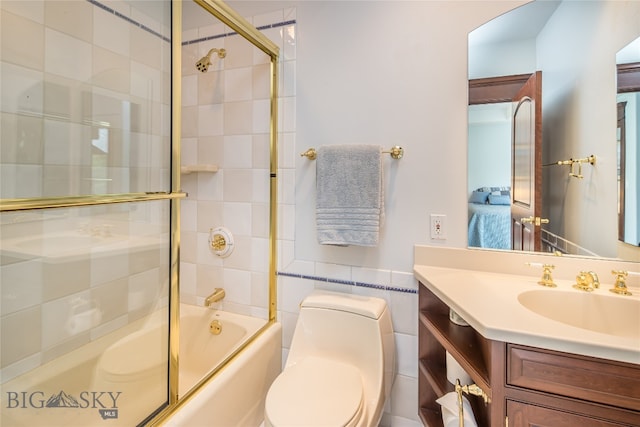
(340, 367)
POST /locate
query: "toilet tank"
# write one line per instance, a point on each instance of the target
(352, 328)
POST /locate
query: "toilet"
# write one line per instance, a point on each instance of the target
(340, 367)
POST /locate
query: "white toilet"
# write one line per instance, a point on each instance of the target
(340, 367)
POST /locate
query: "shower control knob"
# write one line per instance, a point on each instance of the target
(221, 241)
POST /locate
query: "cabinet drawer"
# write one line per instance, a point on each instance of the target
(596, 380)
(522, 414)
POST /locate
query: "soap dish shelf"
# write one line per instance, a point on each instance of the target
(186, 170)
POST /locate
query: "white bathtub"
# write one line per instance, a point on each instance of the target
(200, 350)
(235, 395)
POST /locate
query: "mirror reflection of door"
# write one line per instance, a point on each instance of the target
(526, 205)
(491, 224)
(621, 150)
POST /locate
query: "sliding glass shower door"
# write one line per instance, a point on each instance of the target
(85, 211)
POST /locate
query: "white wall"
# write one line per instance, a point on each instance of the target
(388, 73)
(502, 59)
(489, 146)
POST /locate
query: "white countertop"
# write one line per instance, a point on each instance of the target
(488, 301)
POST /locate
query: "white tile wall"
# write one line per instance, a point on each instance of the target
(220, 118)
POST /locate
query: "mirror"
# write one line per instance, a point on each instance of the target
(573, 44)
(628, 142)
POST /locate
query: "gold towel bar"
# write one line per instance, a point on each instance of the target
(591, 160)
(396, 152)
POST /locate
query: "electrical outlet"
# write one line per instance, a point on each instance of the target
(438, 227)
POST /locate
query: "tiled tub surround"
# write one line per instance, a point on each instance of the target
(225, 122)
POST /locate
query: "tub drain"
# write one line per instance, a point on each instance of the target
(215, 327)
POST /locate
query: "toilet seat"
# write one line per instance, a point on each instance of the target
(316, 392)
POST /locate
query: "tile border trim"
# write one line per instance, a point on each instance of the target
(233, 33)
(347, 282)
(129, 20)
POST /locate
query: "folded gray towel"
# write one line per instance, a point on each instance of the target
(349, 195)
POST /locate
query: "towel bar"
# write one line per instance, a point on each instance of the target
(396, 152)
(591, 160)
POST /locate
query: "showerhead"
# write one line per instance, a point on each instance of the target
(203, 64)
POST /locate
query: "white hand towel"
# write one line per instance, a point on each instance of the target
(349, 198)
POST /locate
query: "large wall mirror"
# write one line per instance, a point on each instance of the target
(628, 142)
(577, 169)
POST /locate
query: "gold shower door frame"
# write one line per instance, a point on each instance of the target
(238, 24)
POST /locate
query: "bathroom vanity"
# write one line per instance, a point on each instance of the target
(534, 370)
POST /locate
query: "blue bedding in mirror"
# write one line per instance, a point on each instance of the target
(489, 226)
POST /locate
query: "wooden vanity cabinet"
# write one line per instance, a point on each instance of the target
(482, 359)
(527, 385)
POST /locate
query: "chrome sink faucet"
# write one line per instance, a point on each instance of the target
(217, 295)
(587, 281)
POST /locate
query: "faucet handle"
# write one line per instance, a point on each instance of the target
(547, 279)
(620, 287)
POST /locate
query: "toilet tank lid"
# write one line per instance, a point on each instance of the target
(365, 306)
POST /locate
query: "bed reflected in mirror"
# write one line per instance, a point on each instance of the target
(489, 175)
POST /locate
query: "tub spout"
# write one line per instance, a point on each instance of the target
(217, 295)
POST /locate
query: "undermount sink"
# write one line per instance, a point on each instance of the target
(612, 315)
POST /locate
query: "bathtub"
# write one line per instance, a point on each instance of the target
(200, 350)
(235, 395)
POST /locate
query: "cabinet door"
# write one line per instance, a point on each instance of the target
(527, 415)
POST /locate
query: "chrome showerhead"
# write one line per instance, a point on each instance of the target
(203, 64)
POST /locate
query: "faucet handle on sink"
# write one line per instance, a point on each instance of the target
(620, 287)
(547, 279)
